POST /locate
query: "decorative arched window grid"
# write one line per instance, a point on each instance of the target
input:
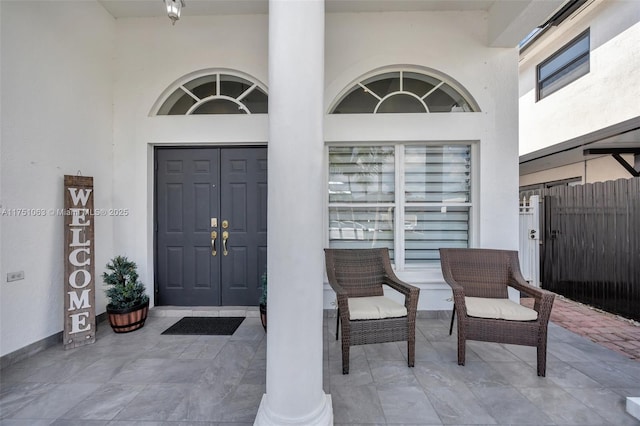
(214, 92)
(404, 91)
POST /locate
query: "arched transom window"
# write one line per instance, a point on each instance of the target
(216, 93)
(404, 91)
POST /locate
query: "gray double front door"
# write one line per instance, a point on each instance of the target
(211, 225)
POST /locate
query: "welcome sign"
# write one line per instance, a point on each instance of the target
(79, 259)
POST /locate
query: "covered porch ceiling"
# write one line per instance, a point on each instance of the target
(510, 21)
(621, 138)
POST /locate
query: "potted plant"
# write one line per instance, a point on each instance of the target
(263, 301)
(128, 303)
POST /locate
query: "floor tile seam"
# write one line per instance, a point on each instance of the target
(603, 343)
(442, 421)
(45, 395)
(618, 349)
(9, 414)
(555, 422)
(112, 418)
(487, 407)
(34, 420)
(622, 369)
(375, 386)
(417, 385)
(605, 373)
(115, 420)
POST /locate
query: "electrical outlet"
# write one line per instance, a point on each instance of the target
(15, 276)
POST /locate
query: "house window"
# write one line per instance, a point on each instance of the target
(567, 65)
(411, 198)
(404, 91)
(216, 93)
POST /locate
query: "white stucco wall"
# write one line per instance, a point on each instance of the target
(56, 119)
(607, 95)
(359, 43)
(151, 55)
(93, 95)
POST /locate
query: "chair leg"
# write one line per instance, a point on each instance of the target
(542, 359)
(462, 346)
(337, 324)
(345, 359)
(453, 315)
(411, 353)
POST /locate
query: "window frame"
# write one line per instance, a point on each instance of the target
(576, 40)
(441, 80)
(180, 85)
(399, 202)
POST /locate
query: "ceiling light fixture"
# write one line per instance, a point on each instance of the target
(173, 9)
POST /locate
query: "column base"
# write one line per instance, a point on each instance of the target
(323, 416)
(633, 407)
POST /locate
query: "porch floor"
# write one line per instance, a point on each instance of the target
(145, 378)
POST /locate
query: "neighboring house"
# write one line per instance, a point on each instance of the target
(580, 96)
(371, 123)
(580, 124)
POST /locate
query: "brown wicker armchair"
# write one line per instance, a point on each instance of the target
(479, 279)
(357, 276)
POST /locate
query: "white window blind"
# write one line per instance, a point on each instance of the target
(424, 187)
(361, 196)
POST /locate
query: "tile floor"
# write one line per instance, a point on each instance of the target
(145, 378)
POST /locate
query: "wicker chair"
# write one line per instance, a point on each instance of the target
(486, 274)
(356, 274)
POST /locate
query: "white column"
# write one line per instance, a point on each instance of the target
(295, 240)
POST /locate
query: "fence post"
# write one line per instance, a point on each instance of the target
(529, 247)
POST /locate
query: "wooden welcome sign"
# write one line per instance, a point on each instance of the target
(79, 262)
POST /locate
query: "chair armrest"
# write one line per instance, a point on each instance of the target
(342, 298)
(543, 299)
(458, 299)
(518, 282)
(411, 293)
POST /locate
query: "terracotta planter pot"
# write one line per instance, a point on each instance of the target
(263, 316)
(129, 319)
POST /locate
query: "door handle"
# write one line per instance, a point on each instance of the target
(225, 237)
(214, 235)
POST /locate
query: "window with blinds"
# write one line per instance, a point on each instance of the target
(412, 199)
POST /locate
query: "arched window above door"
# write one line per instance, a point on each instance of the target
(404, 91)
(224, 92)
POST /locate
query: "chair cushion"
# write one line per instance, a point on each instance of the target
(481, 307)
(375, 307)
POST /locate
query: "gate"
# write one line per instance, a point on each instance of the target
(592, 244)
(529, 249)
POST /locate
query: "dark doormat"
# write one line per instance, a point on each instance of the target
(221, 326)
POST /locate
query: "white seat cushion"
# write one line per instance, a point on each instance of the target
(375, 307)
(505, 309)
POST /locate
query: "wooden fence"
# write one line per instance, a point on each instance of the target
(591, 244)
